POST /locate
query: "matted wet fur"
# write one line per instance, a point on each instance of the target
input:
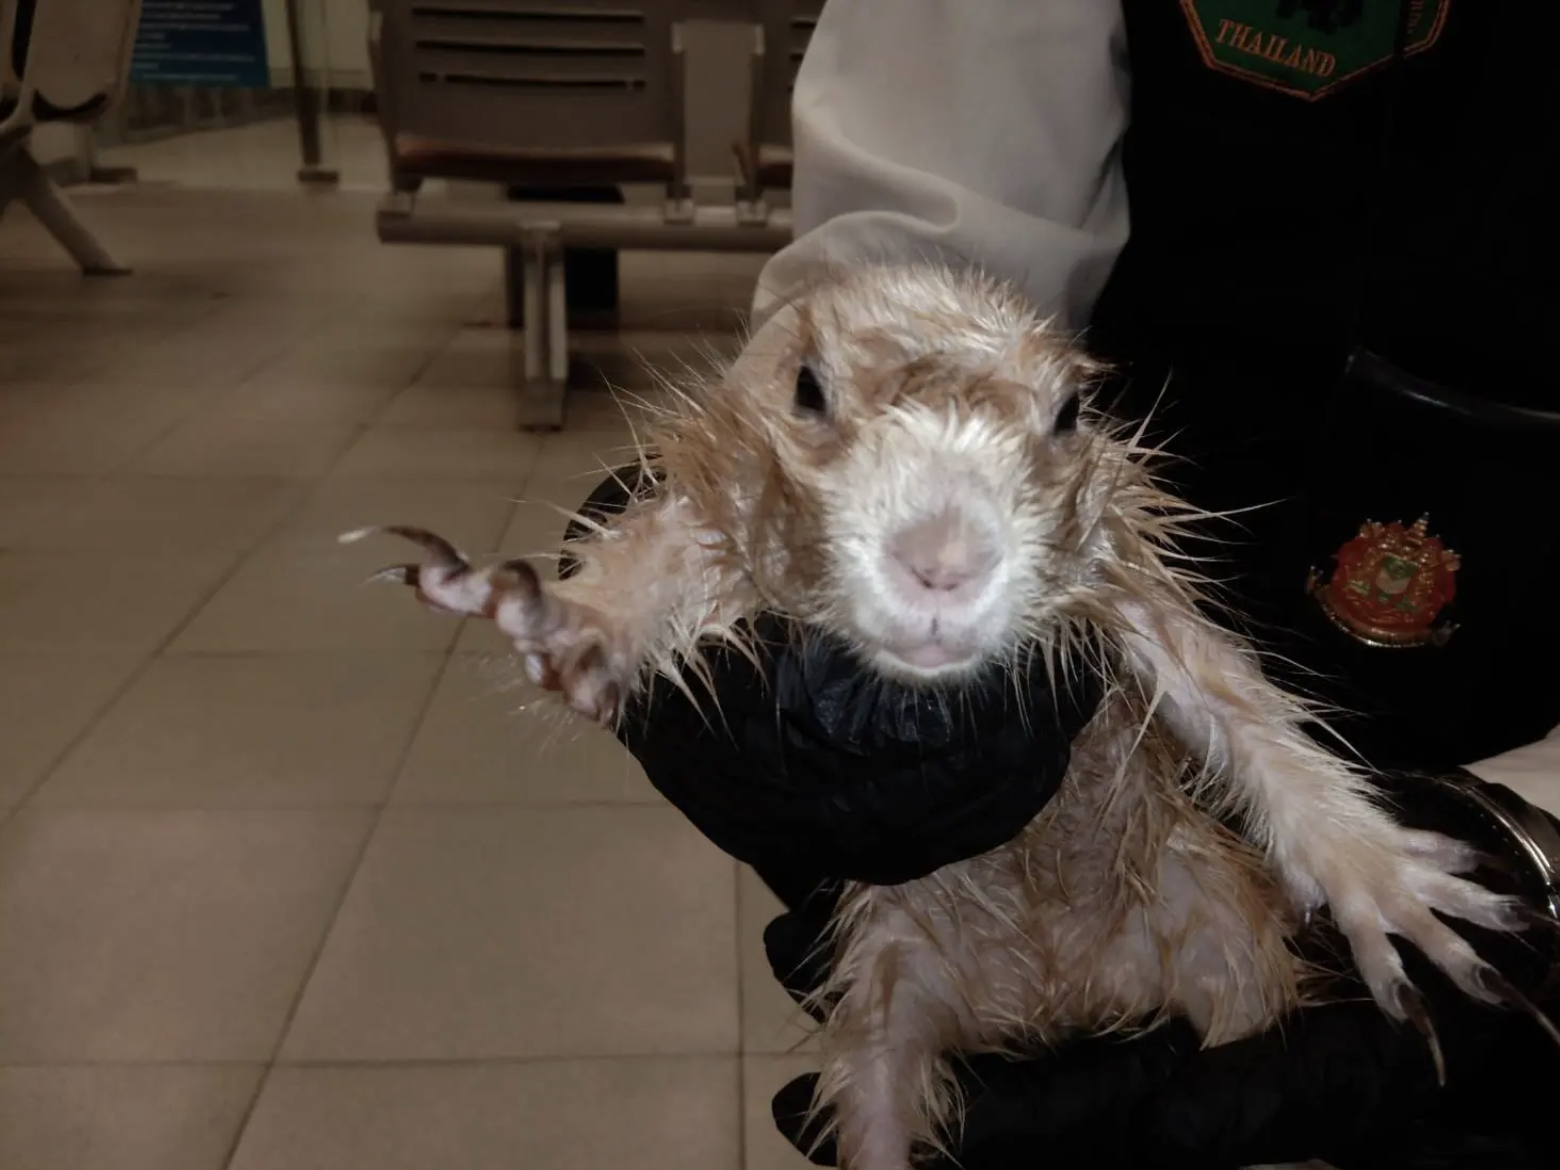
(906, 458)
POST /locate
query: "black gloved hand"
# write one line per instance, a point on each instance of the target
(815, 769)
(810, 774)
(1340, 1082)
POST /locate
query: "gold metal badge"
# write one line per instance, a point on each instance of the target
(1390, 585)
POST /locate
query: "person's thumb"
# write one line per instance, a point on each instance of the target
(796, 945)
(809, 1132)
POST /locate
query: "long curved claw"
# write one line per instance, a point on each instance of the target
(445, 567)
(445, 554)
(1501, 990)
(1412, 1004)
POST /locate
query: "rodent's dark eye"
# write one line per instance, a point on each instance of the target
(809, 391)
(1067, 418)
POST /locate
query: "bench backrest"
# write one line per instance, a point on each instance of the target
(788, 27)
(518, 75)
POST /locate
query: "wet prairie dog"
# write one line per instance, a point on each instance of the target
(905, 457)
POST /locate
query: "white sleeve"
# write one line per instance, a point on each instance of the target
(938, 129)
(1532, 772)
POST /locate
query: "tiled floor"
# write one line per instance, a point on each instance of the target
(261, 156)
(290, 876)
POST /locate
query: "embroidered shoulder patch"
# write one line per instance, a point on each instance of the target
(1307, 48)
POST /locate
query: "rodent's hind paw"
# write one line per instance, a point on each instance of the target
(567, 647)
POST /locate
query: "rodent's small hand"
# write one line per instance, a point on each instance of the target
(565, 645)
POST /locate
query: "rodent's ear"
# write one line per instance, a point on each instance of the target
(1085, 371)
(1080, 374)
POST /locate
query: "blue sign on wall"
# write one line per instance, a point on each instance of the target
(201, 42)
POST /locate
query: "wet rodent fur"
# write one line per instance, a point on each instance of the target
(852, 411)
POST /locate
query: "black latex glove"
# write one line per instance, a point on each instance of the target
(1341, 1083)
(817, 769)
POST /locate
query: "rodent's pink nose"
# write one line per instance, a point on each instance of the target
(943, 553)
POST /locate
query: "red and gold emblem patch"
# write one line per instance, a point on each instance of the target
(1390, 586)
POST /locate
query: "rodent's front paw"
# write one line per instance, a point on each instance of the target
(567, 647)
(1394, 886)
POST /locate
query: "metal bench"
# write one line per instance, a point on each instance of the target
(783, 32)
(61, 61)
(544, 94)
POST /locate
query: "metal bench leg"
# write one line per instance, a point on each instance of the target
(46, 201)
(542, 393)
(558, 326)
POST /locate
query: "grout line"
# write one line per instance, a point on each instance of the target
(240, 559)
(430, 1062)
(450, 659)
(75, 741)
(376, 819)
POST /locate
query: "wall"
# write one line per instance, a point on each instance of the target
(335, 38)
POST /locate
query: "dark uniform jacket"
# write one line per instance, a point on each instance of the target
(1345, 256)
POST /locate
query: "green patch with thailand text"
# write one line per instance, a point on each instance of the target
(1308, 48)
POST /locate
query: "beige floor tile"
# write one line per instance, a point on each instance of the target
(338, 358)
(646, 1114)
(91, 601)
(614, 411)
(772, 1023)
(113, 404)
(207, 356)
(571, 465)
(762, 1078)
(65, 347)
(492, 357)
(536, 529)
(479, 453)
(46, 702)
(512, 933)
(425, 407)
(472, 514)
(129, 936)
(166, 514)
(163, 1117)
(305, 403)
(223, 445)
(74, 441)
(293, 597)
(267, 731)
(30, 502)
(488, 739)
